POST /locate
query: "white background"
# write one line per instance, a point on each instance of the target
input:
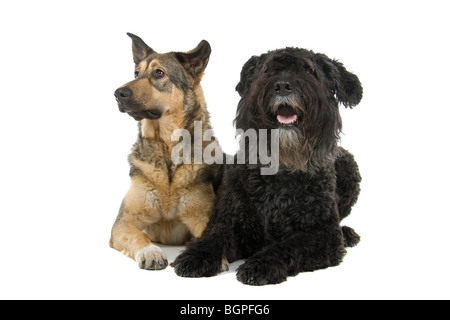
(64, 144)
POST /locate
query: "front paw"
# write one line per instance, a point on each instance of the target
(258, 273)
(151, 258)
(196, 264)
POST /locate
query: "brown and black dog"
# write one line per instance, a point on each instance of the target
(167, 203)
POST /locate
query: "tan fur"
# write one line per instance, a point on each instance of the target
(167, 212)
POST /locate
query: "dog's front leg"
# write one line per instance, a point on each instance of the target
(128, 238)
(209, 255)
(127, 235)
(298, 253)
(205, 256)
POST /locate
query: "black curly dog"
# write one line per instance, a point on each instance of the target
(289, 222)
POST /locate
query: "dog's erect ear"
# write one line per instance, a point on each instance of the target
(140, 49)
(196, 60)
(346, 85)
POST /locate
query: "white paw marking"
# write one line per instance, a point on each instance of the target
(151, 258)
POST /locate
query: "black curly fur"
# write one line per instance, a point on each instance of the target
(289, 222)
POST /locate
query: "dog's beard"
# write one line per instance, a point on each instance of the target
(288, 114)
(297, 153)
(293, 153)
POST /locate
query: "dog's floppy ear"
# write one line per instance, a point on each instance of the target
(247, 72)
(344, 84)
(140, 49)
(196, 60)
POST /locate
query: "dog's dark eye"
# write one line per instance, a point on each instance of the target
(136, 73)
(308, 69)
(159, 74)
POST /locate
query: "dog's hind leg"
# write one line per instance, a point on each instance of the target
(347, 183)
(347, 191)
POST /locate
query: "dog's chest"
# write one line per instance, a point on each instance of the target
(167, 205)
(169, 190)
(286, 204)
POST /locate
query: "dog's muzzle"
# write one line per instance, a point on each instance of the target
(124, 100)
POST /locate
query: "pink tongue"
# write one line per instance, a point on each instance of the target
(287, 120)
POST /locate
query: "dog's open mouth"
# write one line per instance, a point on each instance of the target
(287, 115)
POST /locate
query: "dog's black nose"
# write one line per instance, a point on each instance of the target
(123, 94)
(283, 87)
